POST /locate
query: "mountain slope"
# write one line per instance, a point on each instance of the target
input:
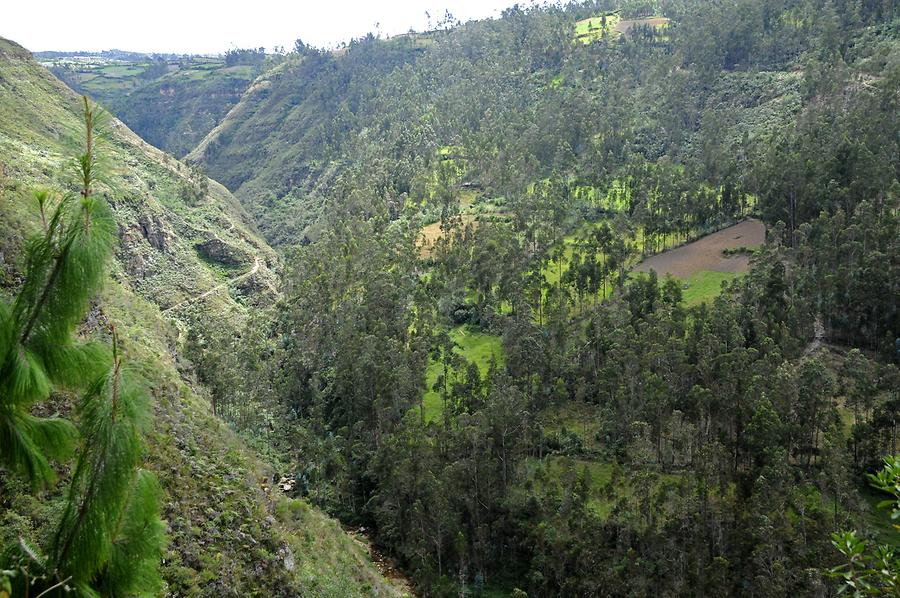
(515, 100)
(185, 245)
(281, 148)
(172, 102)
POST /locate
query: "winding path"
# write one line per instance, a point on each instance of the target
(217, 288)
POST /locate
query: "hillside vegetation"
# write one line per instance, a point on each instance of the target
(172, 102)
(594, 299)
(229, 528)
(518, 102)
(466, 361)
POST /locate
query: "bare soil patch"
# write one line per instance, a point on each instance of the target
(706, 253)
(431, 233)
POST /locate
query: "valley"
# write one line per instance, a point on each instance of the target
(190, 94)
(587, 299)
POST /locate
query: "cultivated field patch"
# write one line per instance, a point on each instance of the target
(703, 265)
(473, 208)
(706, 254)
(590, 30)
(432, 232)
(657, 23)
(612, 25)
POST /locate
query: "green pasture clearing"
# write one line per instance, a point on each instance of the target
(451, 151)
(107, 79)
(588, 31)
(87, 77)
(554, 269)
(240, 70)
(467, 197)
(108, 84)
(705, 286)
(475, 347)
(593, 29)
(478, 346)
(702, 286)
(616, 198)
(195, 74)
(121, 70)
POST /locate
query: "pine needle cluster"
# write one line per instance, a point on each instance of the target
(109, 539)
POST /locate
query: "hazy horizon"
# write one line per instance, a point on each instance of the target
(207, 27)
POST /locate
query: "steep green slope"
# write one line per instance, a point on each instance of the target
(171, 103)
(509, 102)
(283, 146)
(184, 247)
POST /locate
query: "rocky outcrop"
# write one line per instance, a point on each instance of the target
(218, 251)
(155, 231)
(258, 288)
(137, 258)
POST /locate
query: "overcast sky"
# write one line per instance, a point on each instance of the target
(213, 26)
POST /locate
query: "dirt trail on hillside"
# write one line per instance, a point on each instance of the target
(219, 287)
(706, 253)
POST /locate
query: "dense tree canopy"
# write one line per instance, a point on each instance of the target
(464, 360)
(715, 455)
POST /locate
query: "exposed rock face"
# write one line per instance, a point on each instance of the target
(138, 265)
(151, 230)
(155, 232)
(217, 250)
(258, 288)
(95, 320)
(133, 253)
(287, 557)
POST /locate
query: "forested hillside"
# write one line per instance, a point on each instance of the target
(517, 101)
(595, 299)
(466, 360)
(183, 248)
